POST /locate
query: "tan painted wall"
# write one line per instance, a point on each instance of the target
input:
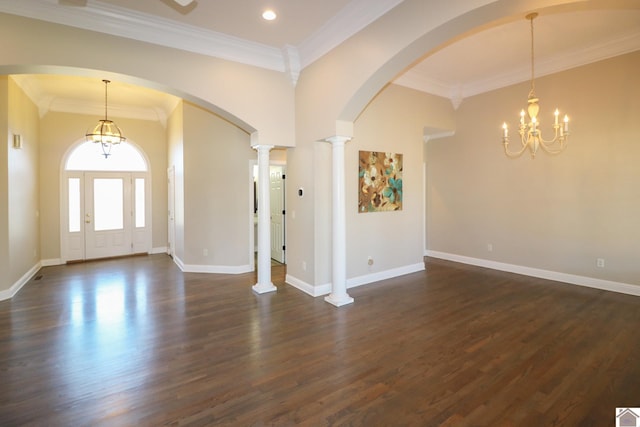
(58, 132)
(256, 98)
(176, 161)
(5, 277)
(217, 190)
(338, 87)
(23, 235)
(394, 123)
(553, 213)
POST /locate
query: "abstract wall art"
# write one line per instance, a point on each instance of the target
(379, 182)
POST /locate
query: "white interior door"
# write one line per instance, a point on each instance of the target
(277, 180)
(108, 215)
(171, 235)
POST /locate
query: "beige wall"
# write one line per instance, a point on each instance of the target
(217, 191)
(19, 229)
(254, 98)
(338, 87)
(24, 230)
(175, 161)
(553, 213)
(393, 122)
(59, 132)
(5, 277)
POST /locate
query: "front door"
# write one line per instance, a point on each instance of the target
(107, 215)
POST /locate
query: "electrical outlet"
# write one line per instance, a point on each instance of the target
(304, 266)
(600, 262)
(205, 252)
(370, 261)
(490, 247)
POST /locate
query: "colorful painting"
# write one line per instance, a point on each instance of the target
(380, 182)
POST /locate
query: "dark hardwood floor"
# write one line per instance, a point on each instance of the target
(136, 342)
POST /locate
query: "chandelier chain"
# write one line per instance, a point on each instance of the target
(106, 83)
(533, 82)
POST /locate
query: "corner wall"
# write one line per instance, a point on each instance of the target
(19, 215)
(555, 213)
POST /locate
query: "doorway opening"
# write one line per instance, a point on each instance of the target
(277, 180)
(105, 208)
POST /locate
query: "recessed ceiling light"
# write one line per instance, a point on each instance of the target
(269, 15)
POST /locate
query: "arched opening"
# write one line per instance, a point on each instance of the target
(105, 207)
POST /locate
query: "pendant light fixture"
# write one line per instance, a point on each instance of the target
(106, 132)
(530, 133)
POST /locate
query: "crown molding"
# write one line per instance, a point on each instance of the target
(619, 45)
(615, 46)
(122, 22)
(351, 19)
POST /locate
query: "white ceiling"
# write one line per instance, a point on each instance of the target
(306, 29)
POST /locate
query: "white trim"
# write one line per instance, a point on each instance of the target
(123, 22)
(216, 269)
(10, 293)
(178, 262)
(616, 46)
(384, 275)
(355, 16)
(314, 291)
(591, 282)
(325, 289)
(51, 262)
(158, 250)
(64, 175)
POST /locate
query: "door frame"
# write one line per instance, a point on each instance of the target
(251, 214)
(63, 192)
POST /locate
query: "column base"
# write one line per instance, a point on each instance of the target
(339, 300)
(263, 289)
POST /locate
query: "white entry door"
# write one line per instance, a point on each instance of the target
(277, 180)
(107, 215)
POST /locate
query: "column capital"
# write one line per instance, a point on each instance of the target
(262, 147)
(337, 139)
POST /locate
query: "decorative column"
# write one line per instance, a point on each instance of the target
(339, 295)
(264, 284)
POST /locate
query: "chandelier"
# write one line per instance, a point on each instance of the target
(106, 132)
(530, 133)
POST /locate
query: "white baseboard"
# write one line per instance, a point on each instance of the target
(9, 293)
(158, 250)
(215, 269)
(50, 262)
(178, 262)
(383, 275)
(314, 291)
(325, 289)
(607, 285)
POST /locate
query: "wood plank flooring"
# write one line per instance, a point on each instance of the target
(136, 342)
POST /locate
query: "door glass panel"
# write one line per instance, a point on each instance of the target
(88, 157)
(74, 205)
(139, 192)
(108, 204)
